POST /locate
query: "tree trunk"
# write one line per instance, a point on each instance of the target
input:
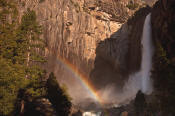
(22, 108)
(28, 55)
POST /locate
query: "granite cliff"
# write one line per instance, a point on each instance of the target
(95, 36)
(73, 30)
(163, 27)
(92, 45)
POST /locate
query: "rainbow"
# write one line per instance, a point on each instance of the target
(82, 78)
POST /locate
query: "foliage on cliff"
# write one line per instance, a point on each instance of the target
(19, 57)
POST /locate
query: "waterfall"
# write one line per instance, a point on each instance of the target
(147, 53)
(141, 80)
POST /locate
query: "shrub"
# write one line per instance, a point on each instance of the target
(132, 6)
(40, 1)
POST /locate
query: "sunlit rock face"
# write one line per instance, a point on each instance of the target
(72, 30)
(95, 37)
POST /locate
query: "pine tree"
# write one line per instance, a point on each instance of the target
(58, 97)
(20, 48)
(30, 43)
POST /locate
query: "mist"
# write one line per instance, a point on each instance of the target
(110, 95)
(140, 80)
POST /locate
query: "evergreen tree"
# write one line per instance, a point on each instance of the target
(29, 48)
(20, 48)
(58, 97)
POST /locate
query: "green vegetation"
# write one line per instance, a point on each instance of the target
(58, 96)
(132, 6)
(40, 1)
(19, 56)
(21, 75)
(76, 5)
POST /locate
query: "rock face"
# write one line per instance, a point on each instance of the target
(163, 23)
(150, 2)
(72, 29)
(93, 36)
(120, 55)
(163, 28)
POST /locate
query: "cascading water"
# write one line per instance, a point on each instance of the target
(147, 53)
(141, 80)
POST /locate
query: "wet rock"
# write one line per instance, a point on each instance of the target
(124, 113)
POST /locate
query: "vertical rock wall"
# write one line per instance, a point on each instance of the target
(91, 36)
(71, 31)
